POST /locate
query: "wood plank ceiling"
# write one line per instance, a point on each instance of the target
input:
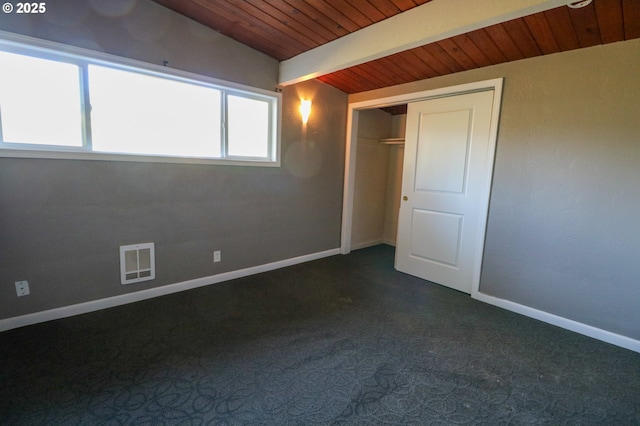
(283, 29)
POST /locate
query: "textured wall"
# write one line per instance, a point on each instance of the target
(564, 234)
(62, 221)
(144, 30)
(563, 230)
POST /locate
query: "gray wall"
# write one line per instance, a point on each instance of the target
(146, 31)
(563, 232)
(62, 221)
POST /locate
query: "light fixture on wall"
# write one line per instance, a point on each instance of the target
(305, 110)
(579, 4)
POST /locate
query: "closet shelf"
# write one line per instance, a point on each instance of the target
(392, 141)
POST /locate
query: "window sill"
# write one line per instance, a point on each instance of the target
(140, 158)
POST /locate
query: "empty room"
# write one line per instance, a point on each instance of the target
(320, 212)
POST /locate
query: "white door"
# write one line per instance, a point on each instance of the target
(448, 165)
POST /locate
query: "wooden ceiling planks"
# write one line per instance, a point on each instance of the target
(540, 30)
(563, 29)
(475, 54)
(285, 28)
(504, 42)
(556, 30)
(611, 21)
(631, 16)
(487, 45)
(586, 24)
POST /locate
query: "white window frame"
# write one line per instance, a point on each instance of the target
(45, 49)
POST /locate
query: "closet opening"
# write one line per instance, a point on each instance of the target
(378, 176)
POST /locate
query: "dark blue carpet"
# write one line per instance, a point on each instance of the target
(343, 340)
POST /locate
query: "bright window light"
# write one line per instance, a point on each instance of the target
(137, 113)
(248, 127)
(40, 101)
(59, 101)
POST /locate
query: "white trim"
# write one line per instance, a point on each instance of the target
(484, 214)
(428, 23)
(366, 244)
(353, 118)
(352, 141)
(123, 299)
(388, 242)
(61, 154)
(578, 327)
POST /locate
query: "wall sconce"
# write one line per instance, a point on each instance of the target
(305, 110)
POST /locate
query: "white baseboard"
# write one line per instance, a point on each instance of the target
(110, 302)
(389, 242)
(366, 244)
(578, 327)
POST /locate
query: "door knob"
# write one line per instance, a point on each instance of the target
(405, 198)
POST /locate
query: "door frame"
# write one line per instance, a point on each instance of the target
(353, 114)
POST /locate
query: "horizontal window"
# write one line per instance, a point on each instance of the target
(40, 101)
(160, 116)
(76, 106)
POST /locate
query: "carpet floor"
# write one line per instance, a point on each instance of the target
(342, 340)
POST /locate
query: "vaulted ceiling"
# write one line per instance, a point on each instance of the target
(284, 29)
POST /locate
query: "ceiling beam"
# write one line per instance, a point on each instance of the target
(430, 22)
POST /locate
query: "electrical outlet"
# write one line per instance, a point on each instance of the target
(22, 288)
(217, 256)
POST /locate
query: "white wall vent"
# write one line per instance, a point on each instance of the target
(137, 263)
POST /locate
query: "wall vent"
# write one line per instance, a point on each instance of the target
(137, 263)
